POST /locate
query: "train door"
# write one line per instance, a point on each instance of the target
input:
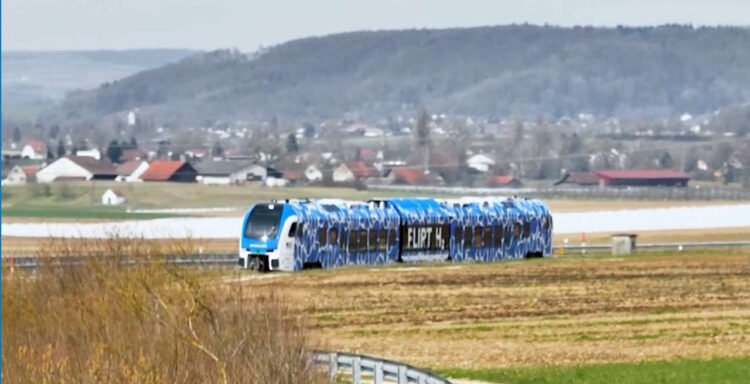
(286, 244)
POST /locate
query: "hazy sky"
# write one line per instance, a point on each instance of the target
(246, 24)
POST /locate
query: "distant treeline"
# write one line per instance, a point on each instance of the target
(517, 70)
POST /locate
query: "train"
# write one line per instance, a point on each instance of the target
(297, 234)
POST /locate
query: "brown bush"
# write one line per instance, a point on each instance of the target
(147, 322)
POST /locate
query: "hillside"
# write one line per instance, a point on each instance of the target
(517, 70)
(29, 78)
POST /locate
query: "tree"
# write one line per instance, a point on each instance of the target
(423, 137)
(133, 143)
(309, 130)
(291, 144)
(60, 149)
(54, 131)
(16, 134)
(114, 151)
(217, 150)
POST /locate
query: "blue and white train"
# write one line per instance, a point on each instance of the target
(298, 234)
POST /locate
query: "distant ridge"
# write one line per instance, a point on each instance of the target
(516, 70)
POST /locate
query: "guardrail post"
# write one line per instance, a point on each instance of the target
(333, 367)
(402, 379)
(357, 370)
(379, 373)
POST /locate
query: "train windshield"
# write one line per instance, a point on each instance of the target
(263, 222)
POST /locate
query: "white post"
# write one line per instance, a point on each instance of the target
(378, 373)
(357, 370)
(333, 367)
(402, 379)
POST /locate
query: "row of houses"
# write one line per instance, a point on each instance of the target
(225, 173)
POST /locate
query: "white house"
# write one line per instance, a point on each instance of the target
(131, 171)
(77, 168)
(313, 173)
(92, 153)
(480, 162)
(20, 175)
(342, 174)
(276, 182)
(34, 149)
(112, 197)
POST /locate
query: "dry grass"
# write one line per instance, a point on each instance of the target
(147, 323)
(34, 245)
(550, 312)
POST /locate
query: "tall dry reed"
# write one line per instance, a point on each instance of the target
(148, 322)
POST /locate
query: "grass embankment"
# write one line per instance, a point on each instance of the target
(148, 323)
(561, 312)
(725, 371)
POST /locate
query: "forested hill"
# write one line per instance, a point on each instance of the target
(518, 70)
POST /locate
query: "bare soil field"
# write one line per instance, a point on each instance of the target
(561, 311)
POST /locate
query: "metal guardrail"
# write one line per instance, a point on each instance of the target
(377, 370)
(678, 246)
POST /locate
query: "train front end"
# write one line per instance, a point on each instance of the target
(267, 240)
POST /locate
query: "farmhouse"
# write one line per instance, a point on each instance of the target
(362, 170)
(169, 170)
(20, 175)
(229, 172)
(480, 163)
(77, 168)
(34, 149)
(411, 176)
(643, 178)
(342, 174)
(112, 197)
(131, 171)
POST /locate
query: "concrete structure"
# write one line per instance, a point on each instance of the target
(112, 197)
(623, 244)
(76, 168)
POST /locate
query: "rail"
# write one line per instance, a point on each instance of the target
(375, 369)
(30, 261)
(678, 246)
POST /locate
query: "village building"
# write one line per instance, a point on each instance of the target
(92, 153)
(20, 174)
(76, 168)
(133, 154)
(643, 178)
(131, 171)
(230, 172)
(35, 150)
(170, 170)
(313, 174)
(503, 182)
(362, 170)
(342, 174)
(112, 197)
(480, 162)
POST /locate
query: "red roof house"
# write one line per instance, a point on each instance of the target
(362, 170)
(503, 182)
(169, 170)
(644, 177)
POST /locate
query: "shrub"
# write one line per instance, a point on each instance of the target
(147, 322)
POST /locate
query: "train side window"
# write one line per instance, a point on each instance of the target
(363, 240)
(323, 235)
(392, 236)
(498, 229)
(478, 237)
(526, 229)
(459, 234)
(487, 236)
(516, 229)
(353, 246)
(293, 230)
(373, 243)
(467, 236)
(333, 237)
(382, 241)
(301, 230)
(508, 234)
